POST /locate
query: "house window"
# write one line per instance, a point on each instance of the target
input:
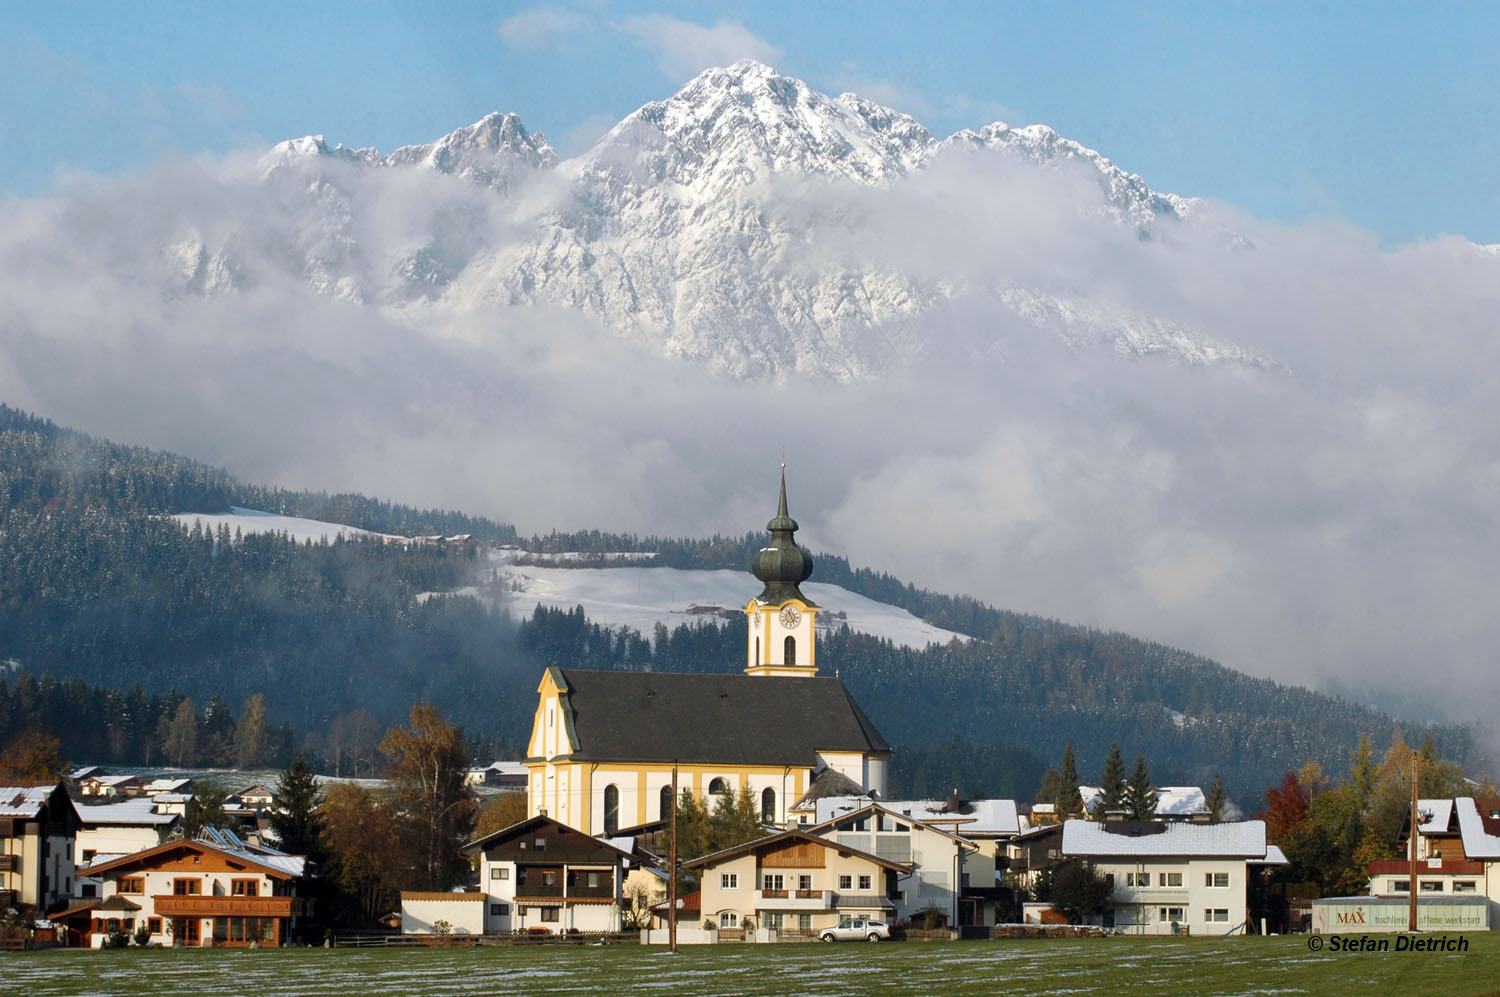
(549, 878)
(790, 645)
(773, 881)
(1169, 879)
(1217, 880)
(1166, 914)
(245, 888)
(131, 884)
(864, 884)
(551, 913)
(1216, 914)
(88, 855)
(540, 844)
(729, 880)
(1430, 885)
(717, 787)
(187, 887)
(499, 910)
(1463, 885)
(774, 919)
(846, 882)
(768, 805)
(804, 922)
(664, 809)
(86, 890)
(153, 925)
(596, 879)
(729, 919)
(499, 872)
(804, 882)
(1400, 886)
(1137, 879)
(611, 808)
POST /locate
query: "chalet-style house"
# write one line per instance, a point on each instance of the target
(795, 883)
(37, 825)
(604, 745)
(1458, 853)
(216, 892)
(108, 831)
(536, 876)
(1172, 877)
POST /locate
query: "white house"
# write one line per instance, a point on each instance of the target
(1170, 877)
(110, 830)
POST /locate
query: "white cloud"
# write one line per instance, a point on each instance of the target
(540, 27)
(881, 91)
(685, 48)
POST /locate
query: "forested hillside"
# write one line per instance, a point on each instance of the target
(98, 585)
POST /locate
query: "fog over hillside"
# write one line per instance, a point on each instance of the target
(1272, 445)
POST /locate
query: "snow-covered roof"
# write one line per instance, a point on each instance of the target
(985, 817)
(1171, 801)
(1275, 856)
(226, 840)
(1233, 839)
(112, 780)
(167, 785)
(509, 768)
(24, 801)
(139, 811)
(1436, 815)
(1480, 830)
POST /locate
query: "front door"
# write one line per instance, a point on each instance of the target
(186, 930)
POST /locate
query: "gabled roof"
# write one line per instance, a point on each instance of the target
(979, 817)
(1481, 831)
(723, 719)
(530, 826)
(25, 801)
(1236, 839)
(756, 844)
(276, 864)
(128, 813)
(1171, 801)
(832, 823)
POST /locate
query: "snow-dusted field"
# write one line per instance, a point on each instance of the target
(639, 597)
(1106, 966)
(250, 521)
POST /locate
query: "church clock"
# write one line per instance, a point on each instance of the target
(790, 617)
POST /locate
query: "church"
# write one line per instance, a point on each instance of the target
(604, 744)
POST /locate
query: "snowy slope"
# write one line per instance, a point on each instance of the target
(641, 597)
(248, 521)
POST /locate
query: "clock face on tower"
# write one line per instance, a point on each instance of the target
(790, 617)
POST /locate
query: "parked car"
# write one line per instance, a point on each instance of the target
(853, 929)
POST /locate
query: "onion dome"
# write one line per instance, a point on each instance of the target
(782, 565)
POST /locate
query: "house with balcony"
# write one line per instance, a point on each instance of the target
(937, 858)
(1175, 877)
(538, 876)
(110, 830)
(1457, 849)
(794, 884)
(37, 826)
(216, 891)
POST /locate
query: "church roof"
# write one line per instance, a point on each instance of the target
(726, 719)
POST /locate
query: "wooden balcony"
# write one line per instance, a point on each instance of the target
(794, 900)
(171, 905)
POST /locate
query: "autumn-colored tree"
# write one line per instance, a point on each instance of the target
(31, 756)
(179, 736)
(1285, 808)
(252, 734)
(499, 812)
(358, 832)
(428, 764)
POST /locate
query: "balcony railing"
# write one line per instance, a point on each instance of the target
(10, 863)
(171, 905)
(794, 899)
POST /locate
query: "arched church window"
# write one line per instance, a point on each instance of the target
(718, 787)
(664, 808)
(611, 808)
(757, 651)
(768, 805)
(791, 651)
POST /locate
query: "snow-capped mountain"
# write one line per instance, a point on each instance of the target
(747, 223)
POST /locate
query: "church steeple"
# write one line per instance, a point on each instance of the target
(781, 618)
(781, 565)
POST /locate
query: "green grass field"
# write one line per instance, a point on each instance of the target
(1283, 965)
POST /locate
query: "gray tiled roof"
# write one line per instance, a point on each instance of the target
(729, 719)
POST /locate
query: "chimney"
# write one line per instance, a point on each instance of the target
(954, 803)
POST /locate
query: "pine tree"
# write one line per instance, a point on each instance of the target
(1140, 795)
(1111, 784)
(1216, 800)
(295, 820)
(1068, 799)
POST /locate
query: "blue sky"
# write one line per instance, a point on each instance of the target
(1382, 115)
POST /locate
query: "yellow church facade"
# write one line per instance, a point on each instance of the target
(604, 745)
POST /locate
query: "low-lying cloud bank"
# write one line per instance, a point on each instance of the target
(1327, 519)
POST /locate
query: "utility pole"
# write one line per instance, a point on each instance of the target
(1416, 823)
(672, 872)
